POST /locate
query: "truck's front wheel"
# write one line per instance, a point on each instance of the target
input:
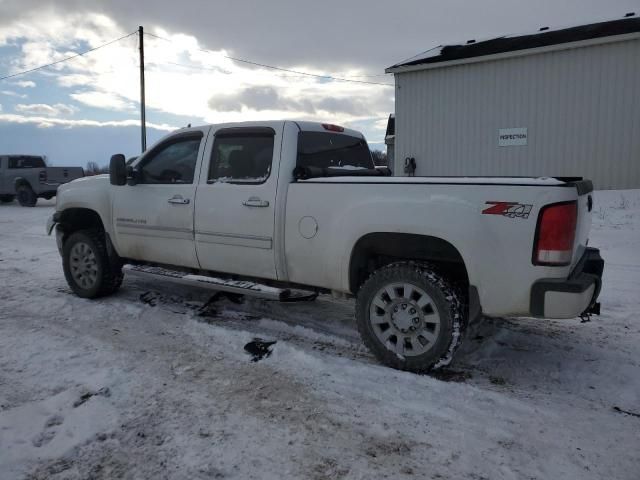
(87, 266)
(410, 317)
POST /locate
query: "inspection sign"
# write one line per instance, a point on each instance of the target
(511, 137)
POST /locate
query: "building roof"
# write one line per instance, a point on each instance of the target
(544, 37)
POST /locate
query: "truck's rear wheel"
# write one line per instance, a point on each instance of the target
(26, 196)
(410, 317)
(87, 266)
(7, 198)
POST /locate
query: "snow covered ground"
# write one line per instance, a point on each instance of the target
(147, 385)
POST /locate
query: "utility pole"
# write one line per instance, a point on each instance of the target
(143, 119)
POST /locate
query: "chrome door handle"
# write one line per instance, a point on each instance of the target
(179, 200)
(255, 202)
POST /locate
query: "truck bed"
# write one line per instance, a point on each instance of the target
(59, 175)
(497, 248)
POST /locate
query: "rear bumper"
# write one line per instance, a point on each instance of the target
(571, 297)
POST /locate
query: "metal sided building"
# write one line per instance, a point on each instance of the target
(553, 103)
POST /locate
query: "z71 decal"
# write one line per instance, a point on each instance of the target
(508, 209)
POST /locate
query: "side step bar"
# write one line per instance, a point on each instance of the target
(241, 287)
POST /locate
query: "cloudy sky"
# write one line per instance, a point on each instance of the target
(87, 108)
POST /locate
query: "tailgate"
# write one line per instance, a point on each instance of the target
(63, 174)
(583, 227)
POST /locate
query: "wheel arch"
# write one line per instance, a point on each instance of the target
(73, 219)
(19, 182)
(375, 250)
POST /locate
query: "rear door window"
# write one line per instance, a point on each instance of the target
(326, 150)
(242, 155)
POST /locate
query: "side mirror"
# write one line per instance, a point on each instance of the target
(117, 170)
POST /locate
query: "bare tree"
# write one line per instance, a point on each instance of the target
(379, 158)
(92, 168)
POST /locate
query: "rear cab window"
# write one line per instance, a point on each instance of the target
(333, 150)
(26, 161)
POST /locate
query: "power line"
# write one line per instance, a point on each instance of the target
(368, 76)
(210, 68)
(68, 58)
(195, 67)
(272, 67)
(226, 72)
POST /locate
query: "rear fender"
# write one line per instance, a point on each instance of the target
(19, 181)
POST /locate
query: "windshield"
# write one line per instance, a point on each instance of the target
(333, 150)
(26, 161)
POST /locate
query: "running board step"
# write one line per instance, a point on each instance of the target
(241, 287)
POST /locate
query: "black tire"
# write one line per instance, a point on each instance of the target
(439, 297)
(26, 196)
(108, 274)
(7, 198)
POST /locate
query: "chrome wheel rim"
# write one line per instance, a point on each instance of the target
(405, 319)
(83, 265)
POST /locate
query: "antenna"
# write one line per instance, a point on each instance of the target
(143, 119)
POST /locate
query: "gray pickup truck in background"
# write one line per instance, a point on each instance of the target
(27, 178)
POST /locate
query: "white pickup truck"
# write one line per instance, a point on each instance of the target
(267, 207)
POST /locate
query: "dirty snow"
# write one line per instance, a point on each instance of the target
(154, 382)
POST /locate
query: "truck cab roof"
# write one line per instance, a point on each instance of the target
(303, 125)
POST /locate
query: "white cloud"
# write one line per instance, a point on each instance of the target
(44, 109)
(25, 83)
(211, 88)
(10, 93)
(48, 122)
(109, 101)
(74, 80)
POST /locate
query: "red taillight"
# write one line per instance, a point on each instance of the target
(555, 234)
(332, 128)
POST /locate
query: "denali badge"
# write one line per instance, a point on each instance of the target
(131, 220)
(508, 209)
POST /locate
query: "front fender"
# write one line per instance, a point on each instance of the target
(91, 193)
